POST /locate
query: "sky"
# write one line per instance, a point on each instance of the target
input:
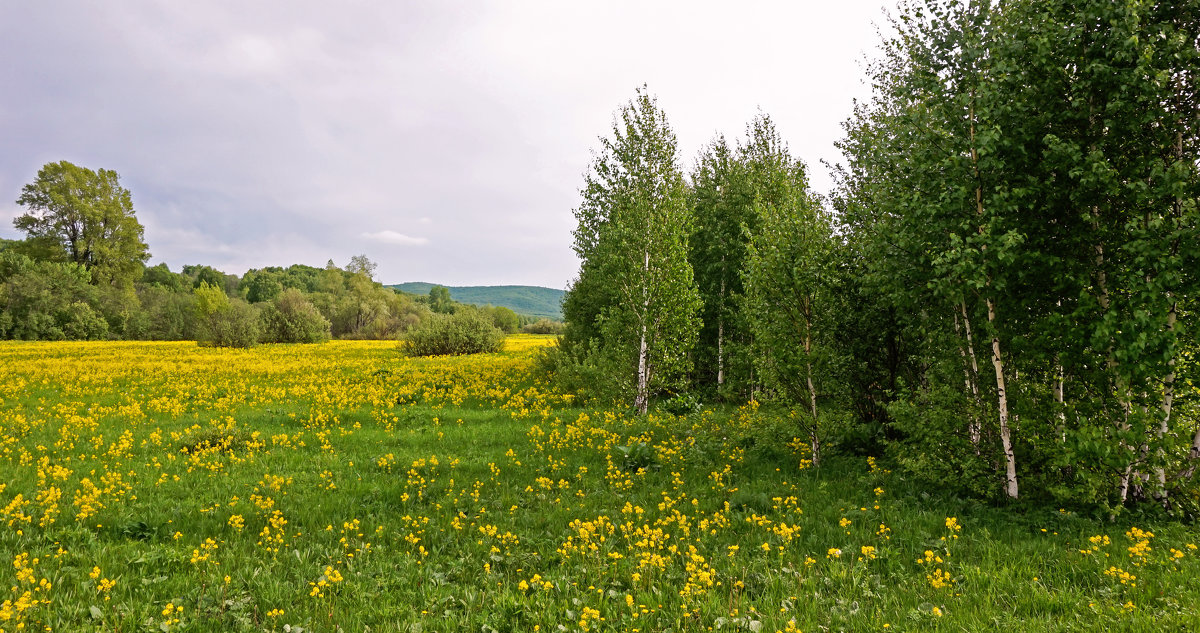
(445, 140)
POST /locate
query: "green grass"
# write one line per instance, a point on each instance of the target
(516, 493)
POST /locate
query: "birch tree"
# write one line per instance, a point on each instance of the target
(635, 304)
(787, 278)
(718, 253)
(1027, 173)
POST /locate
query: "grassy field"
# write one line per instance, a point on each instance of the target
(341, 487)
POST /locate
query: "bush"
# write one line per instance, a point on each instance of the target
(221, 322)
(505, 319)
(291, 318)
(584, 372)
(82, 323)
(544, 326)
(682, 404)
(467, 331)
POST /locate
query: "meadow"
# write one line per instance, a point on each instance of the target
(343, 487)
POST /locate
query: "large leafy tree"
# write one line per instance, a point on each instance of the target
(88, 218)
(635, 303)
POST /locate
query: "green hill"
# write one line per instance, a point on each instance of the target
(530, 300)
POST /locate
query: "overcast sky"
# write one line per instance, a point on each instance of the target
(447, 141)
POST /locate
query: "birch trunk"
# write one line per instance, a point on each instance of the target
(642, 401)
(1169, 379)
(1060, 398)
(1010, 458)
(721, 336)
(812, 397)
(976, 426)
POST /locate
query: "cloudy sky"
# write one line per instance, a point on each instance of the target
(445, 140)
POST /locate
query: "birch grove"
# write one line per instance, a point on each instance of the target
(1025, 175)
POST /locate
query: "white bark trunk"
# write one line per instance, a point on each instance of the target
(642, 401)
(721, 337)
(1169, 380)
(1010, 459)
(1061, 398)
(812, 399)
(1160, 473)
(975, 426)
(1127, 409)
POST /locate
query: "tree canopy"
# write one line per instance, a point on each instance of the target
(85, 217)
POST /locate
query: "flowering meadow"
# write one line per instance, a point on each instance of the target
(344, 487)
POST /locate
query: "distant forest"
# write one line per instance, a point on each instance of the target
(533, 301)
(81, 274)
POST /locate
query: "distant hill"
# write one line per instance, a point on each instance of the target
(531, 300)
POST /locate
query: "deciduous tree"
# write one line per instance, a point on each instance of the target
(89, 216)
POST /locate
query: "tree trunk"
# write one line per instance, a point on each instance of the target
(721, 336)
(1060, 398)
(812, 397)
(975, 427)
(642, 400)
(1010, 459)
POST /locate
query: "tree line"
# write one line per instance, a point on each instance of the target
(999, 293)
(80, 273)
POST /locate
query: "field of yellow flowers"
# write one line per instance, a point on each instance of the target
(344, 487)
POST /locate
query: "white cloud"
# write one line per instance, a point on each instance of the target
(255, 134)
(392, 237)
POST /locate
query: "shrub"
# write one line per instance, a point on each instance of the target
(222, 322)
(544, 326)
(467, 331)
(682, 404)
(584, 372)
(291, 318)
(84, 323)
(504, 318)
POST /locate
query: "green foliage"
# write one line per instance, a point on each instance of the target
(165, 315)
(87, 218)
(439, 300)
(729, 188)
(357, 307)
(1032, 230)
(589, 376)
(260, 286)
(208, 275)
(47, 300)
(360, 264)
(504, 318)
(682, 404)
(467, 331)
(639, 456)
(224, 322)
(160, 275)
(937, 449)
(543, 326)
(291, 318)
(635, 304)
(788, 277)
